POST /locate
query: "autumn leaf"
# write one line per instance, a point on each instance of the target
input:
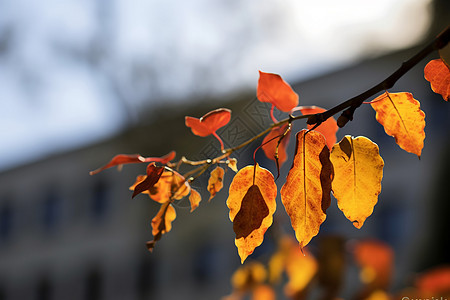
(252, 201)
(438, 74)
(358, 170)
(210, 122)
(171, 185)
(376, 260)
(194, 199)
(301, 267)
(327, 128)
(306, 193)
(435, 281)
(162, 223)
(122, 159)
(273, 89)
(402, 118)
(248, 276)
(269, 148)
(153, 175)
(215, 182)
(232, 164)
(263, 292)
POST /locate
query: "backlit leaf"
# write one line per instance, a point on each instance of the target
(162, 223)
(210, 122)
(435, 281)
(121, 159)
(306, 193)
(232, 164)
(273, 89)
(301, 267)
(402, 118)
(263, 292)
(438, 74)
(215, 182)
(269, 148)
(376, 260)
(246, 196)
(171, 185)
(248, 276)
(194, 199)
(327, 128)
(153, 175)
(358, 170)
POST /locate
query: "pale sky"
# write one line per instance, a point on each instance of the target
(68, 68)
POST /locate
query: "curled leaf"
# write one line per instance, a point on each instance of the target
(270, 148)
(306, 193)
(215, 182)
(250, 201)
(210, 122)
(273, 89)
(194, 199)
(171, 185)
(358, 170)
(402, 118)
(122, 159)
(327, 128)
(232, 164)
(162, 223)
(153, 175)
(437, 72)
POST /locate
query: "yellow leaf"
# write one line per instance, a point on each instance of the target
(402, 118)
(194, 199)
(358, 170)
(162, 222)
(300, 268)
(306, 193)
(215, 182)
(248, 276)
(244, 202)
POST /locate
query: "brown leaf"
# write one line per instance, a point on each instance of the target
(253, 211)
(153, 175)
(306, 193)
(215, 182)
(232, 164)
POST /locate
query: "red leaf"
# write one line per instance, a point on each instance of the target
(438, 74)
(209, 123)
(273, 89)
(327, 128)
(120, 160)
(269, 148)
(153, 175)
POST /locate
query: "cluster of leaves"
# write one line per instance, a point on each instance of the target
(351, 169)
(325, 272)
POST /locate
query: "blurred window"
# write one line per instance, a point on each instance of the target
(6, 221)
(51, 211)
(99, 204)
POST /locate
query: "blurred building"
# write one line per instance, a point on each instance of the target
(67, 235)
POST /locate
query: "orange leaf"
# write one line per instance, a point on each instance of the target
(269, 148)
(171, 185)
(402, 118)
(162, 223)
(300, 268)
(248, 276)
(263, 292)
(215, 182)
(358, 170)
(306, 193)
(273, 89)
(153, 175)
(376, 259)
(327, 128)
(245, 194)
(436, 281)
(210, 122)
(438, 74)
(194, 199)
(121, 159)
